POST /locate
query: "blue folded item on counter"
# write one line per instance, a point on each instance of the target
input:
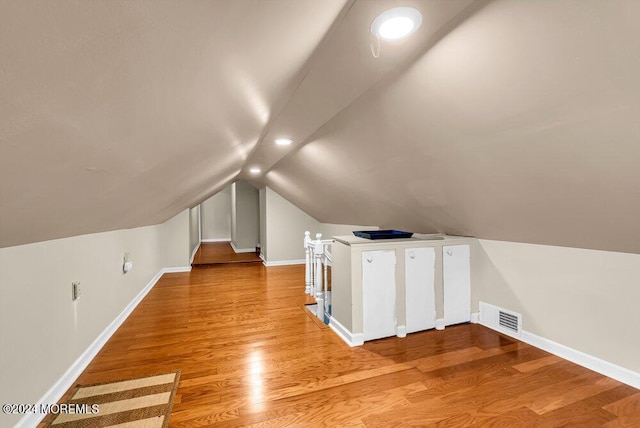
(382, 234)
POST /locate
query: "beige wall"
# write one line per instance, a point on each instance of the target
(215, 215)
(175, 241)
(245, 216)
(262, 196)
(194, 229)
(584, 299)
(341, 273)
(285, 225)
(234, 226)
(42, 331)
(328, 230)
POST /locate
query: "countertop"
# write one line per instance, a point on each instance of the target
(353, 240)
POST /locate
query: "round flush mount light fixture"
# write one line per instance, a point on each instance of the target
(396, 23)
(255, 170)
(283, 141)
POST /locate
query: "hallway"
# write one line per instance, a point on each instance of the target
(213, 253)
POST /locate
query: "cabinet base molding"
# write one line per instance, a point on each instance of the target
(440, 324)
(401, 331)
(351, 339)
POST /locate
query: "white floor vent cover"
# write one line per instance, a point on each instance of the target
(500, 319)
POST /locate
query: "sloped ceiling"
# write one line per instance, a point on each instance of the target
(513, 120)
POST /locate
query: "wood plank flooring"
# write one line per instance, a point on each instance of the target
(250, 355)
(211, 253)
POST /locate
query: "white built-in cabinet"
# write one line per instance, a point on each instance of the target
(456, 277)
(419, 274)
(383, 289)
(378, 294)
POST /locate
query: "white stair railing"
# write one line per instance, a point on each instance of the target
(308, 271)
(317, 260)
(327, 294)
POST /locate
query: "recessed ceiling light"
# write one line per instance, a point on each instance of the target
(283, 141)
(255, 170)
(396, 23)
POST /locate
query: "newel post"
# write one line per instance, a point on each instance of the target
(318, 283)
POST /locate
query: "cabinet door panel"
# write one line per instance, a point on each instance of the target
(419, 271)
(378, 294)
(456, 275)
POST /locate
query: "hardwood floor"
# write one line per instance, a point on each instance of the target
(211, 253)
(251, 355)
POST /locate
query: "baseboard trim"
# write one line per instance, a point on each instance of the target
(596, 364)
(216, 240)
(69, 377)
(283, 262)
(344, 334)
(177, 269)
(475, 317)
(242, 250)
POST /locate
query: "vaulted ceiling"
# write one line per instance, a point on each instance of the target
(514, 120)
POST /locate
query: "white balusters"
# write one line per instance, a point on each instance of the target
(326, 263)
(308, 273)
(317, 260)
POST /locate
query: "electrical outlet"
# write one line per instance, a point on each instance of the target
(75, 290)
